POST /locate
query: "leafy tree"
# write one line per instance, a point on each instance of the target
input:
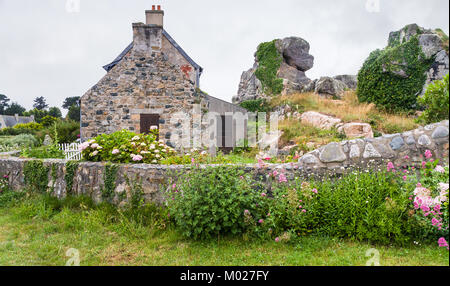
(14, 108)
(40, 103)
(70, 101)
(48, 121)
(55, 112)
(38, 114)
(3, 103)
(74, 113)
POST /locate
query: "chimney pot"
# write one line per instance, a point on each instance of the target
(159, 7)
(153, 7)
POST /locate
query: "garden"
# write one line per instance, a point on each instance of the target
(221, 215)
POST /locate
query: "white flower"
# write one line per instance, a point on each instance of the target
(152, 146)
(204, 153)
(115, 151)
(156, 151)
(154, 127)
(94, 153)
(439, 169)
(95, 145)
(161, 141)
(157, 156)
(135, 138)
(143, 144)
(145, 152)
(154, 162)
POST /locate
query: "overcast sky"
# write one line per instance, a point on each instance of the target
(49, 50)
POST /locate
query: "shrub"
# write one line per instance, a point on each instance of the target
(257, 105)
(436, 101)
(48, 121)
(10, 131)
(380, 80)
(68, 131)
(126, 147)
(22, 140)
(30, 126)
(209, 202)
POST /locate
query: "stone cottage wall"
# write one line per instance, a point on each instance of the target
(145, 81)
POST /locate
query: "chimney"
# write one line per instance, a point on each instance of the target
(155, 16)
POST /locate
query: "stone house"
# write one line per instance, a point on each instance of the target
(11, 121)
(149, 84)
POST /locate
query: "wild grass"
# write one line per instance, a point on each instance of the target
(39, 230)
(349, 109)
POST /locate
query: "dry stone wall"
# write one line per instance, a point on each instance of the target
(329, 161)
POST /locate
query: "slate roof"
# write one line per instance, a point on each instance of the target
(109, 66)
(10, 121)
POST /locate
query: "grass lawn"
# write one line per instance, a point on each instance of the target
(32, 234)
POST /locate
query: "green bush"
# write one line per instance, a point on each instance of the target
(48, 121)
(380, 80)
(209, 202)
(436, 101)
(269, 60)
(10, 131)
(257, 105)
(68, 131)
(30, 126)
(365, 206)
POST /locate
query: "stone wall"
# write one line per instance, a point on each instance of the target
(329, 161)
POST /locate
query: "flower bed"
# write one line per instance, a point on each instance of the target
(126, 147)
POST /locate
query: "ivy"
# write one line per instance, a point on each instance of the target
(136, 192)
(394, 77)
(36, 176)
(71, 168)
(269, 60)
(109, 178)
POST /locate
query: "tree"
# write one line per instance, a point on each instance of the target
(74, 113)
(3, 103)
(70, 101)
(14, 108)
(40, 103)
(55, 112)
(38, 114)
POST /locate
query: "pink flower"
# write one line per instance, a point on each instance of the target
(434, 222)
(406, 157)
(263, 195)
(304, 211)
(246, 212)
(277, 239)
(137, 158)
(428, 154)
(404, 178)
(315, 191)
(423, 165)
(115, 151)
(442, 242)
(95, 146)
(275, 173)
(282, 178)
(390, 166)
(192, 160)
(260, 221)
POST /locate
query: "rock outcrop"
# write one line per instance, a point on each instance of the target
(434, 45)
(296, 60)
(319, 120)
(329, 86)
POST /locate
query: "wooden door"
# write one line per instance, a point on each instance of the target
(147, 121)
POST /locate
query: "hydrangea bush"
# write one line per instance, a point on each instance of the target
(126, 147)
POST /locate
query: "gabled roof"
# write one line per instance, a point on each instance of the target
(109, 66)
